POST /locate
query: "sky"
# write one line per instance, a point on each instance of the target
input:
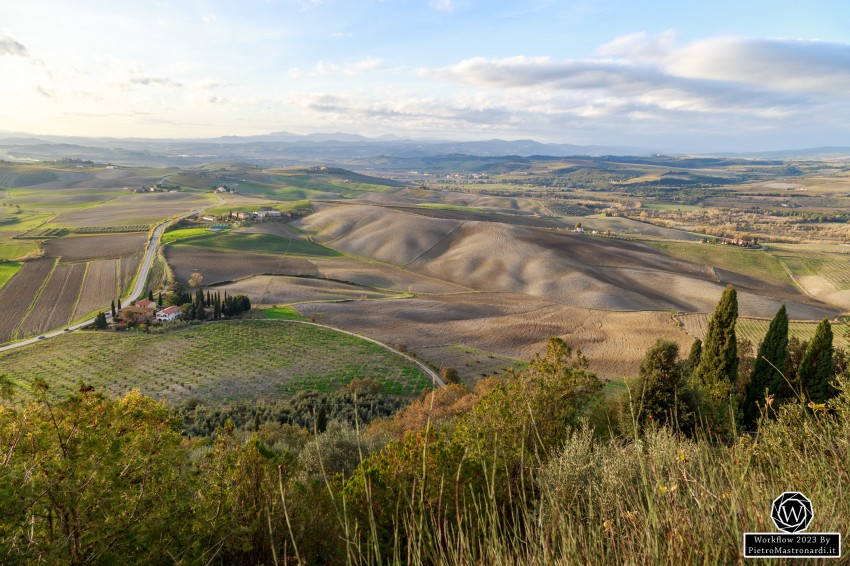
(743, 75)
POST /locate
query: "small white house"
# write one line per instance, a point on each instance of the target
(169, 313)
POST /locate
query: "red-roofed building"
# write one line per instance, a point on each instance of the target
(146, 304)
(169, 313)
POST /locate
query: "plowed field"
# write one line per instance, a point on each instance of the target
(54, 305)
(100, 287)
(17, 295)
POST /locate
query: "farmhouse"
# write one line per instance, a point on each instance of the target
(136, 313)
(169, 313)
(268, 214)
(146, 304)
(244, 215)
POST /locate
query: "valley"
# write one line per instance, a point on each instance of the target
(474, 271)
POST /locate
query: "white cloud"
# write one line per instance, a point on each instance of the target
(442, 5)
(163, 82)
(9, 46)
(295, 73)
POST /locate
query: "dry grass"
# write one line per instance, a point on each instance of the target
(383, 276)
(572, 269)
(503, 325)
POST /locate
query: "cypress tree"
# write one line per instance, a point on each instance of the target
(719, 360)
(661, 389)
(772, 350)
(113, 310)
(816, 366)
(159, 299)
(150, 295)
(695, 354)
(119, 304)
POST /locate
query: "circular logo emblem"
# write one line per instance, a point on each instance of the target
(791, 512)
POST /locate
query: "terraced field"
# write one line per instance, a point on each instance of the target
(224, 362)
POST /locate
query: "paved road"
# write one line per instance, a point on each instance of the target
(138, 288)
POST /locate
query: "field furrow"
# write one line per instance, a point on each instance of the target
(54, 304)
(100, 286)
(17, 295)
(129, 266)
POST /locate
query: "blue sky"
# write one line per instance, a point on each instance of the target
(745, 75)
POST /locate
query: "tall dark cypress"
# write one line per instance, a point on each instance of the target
(765, 377)
(719, 360)
(815, 370)
(113, 310)
(695, 354)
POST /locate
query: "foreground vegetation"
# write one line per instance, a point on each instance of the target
(535, 467)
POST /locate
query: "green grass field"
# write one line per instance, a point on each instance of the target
(7, 270)
(183, 233)
(222, 362)
(259, 243)
(282, 313)
(754, 263)
(14, 249)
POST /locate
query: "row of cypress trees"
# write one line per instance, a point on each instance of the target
(717, 368)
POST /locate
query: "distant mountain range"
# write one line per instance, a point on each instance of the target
(285, 148)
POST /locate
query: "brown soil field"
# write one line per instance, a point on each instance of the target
(376, 232)
(100, 287)
(18, 293)
(132, 209)
(503, 324)
(84, 248)
(383, 276)
(572, 269)
(282, 289)
(227, 266)
(56, 301)
(129, 266)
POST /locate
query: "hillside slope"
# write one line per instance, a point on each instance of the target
(571, 269)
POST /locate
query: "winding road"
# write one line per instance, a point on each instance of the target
(138, 288)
